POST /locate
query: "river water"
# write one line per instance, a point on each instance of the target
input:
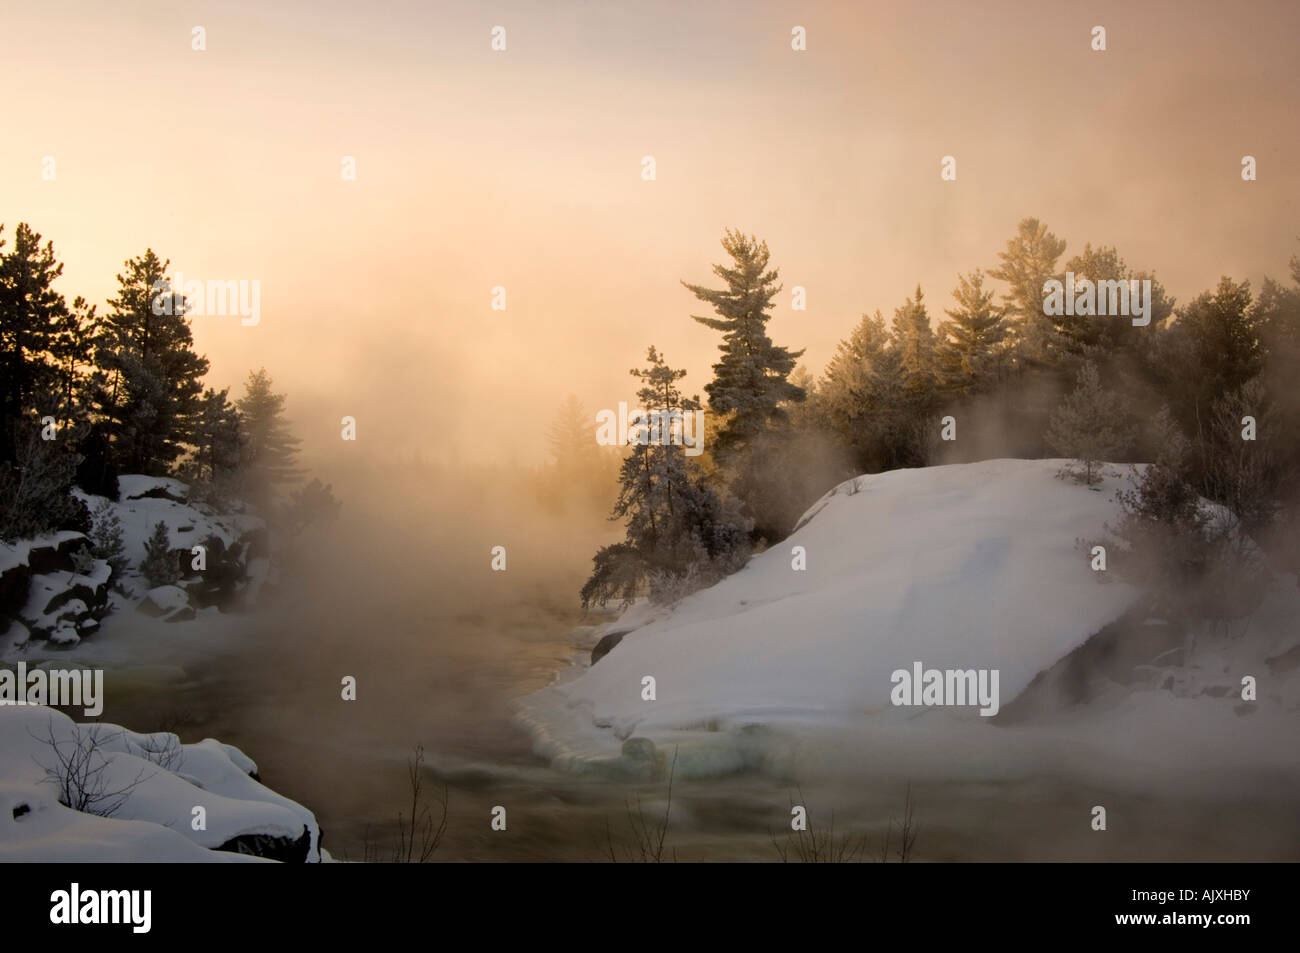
(440, 646)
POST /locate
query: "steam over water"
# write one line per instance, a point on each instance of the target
(400, 595)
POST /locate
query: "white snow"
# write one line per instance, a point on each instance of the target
(164, 782)
(971, 566)
(168, 598)
(132, 486)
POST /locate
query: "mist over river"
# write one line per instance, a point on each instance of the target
(400, 595)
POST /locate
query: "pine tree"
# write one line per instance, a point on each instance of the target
(679, 533)
(1089, 426)
(571, 437)
(42, 341)
(1095, 336)
(149, 387)
(218, 439)
(159, 567)
(972, 341)
(106, 537)
(1028, 262)
(913, 338)
(1212, 349)
(269, 449)
(751, 380)
(853, 394)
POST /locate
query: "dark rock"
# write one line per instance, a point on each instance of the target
(55, 557)
(183, 614)
(283, 849)
(606, 645)
(14, 583)
(158, 493)
(1287, 661)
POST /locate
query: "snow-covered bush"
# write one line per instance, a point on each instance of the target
(159, 567)
(106, 539)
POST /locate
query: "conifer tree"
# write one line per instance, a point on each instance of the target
(1089, 426)
(972, 340)
(269, 450)
(159, 566)
(751, 381)
(1027, 263)
(43, 342)
(680, 535)
(149, 386)
(218, 438)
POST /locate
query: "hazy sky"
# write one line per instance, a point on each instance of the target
(522, 168)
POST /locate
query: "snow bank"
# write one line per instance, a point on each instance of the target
(161, 782)
(972, 566)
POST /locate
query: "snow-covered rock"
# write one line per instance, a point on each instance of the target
(134, 486)
(155, 786)
(163, 600)
(972, 566)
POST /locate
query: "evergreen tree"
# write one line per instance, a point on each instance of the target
(34, 496)
(972, 342)
(1211, 349)
(679, 533)
(913, 339)
(1089, 426)
(269, 448)
(159, 567)
(859, 391)
(1027, 263)
(571, 437)
(106, 537)
(149, 388)
(750, 382)
(1096, 336)
(218, 439)
(42, 341)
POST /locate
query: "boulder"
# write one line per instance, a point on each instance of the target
(606, 644)
(164, 600)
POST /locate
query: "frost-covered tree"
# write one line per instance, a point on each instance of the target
(34, 494)
(106, 537)
(972, 342)
(913, 339)
(1090, 426)
(1030, 259)
(217, 439)
(269, 450)
(680, 534)
(751, 381)
(159, 567)
(856, 397)
(310, 504)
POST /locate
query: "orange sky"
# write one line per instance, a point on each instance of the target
(523, 168)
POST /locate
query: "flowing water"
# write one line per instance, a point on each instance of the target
(440, 646)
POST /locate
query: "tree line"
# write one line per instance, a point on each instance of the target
(1007, 375)
(86, 396)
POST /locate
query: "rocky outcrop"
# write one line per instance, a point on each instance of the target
(283, 849)
(606, 645)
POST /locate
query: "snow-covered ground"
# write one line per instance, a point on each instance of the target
(45, 602)
(972, 566)
(152, 786)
